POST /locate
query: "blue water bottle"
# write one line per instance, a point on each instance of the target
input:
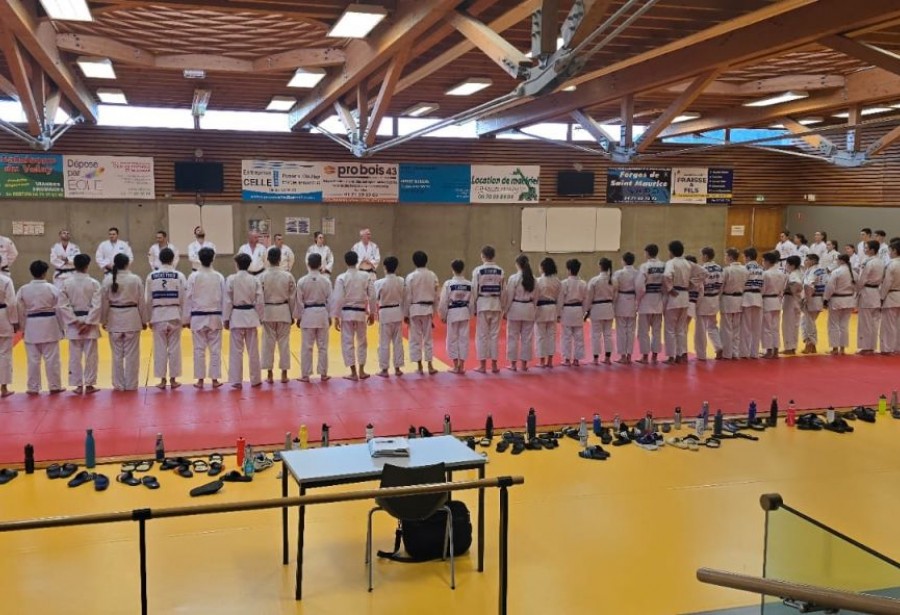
(751, 412)
(90, 451)
(597, 425)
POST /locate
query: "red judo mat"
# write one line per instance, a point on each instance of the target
(126, 424)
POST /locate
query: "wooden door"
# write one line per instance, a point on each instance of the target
(756, 225)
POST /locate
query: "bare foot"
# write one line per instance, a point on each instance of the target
(174, 384)
(398, 372)
(607, 361)
(495, 370)
(57, 391)
(217, 384)
(432, 371)
(198, 385)
(161, 386)
(256, 384)
(575, 363)
(78, 390)
(383, 373)
(303, 379)
(90, 389)
(363, 375)
(481, 370)
(284, 378)
(352, 377)
(325, 378)
(512, 368)
(6, 393)
(236, 385)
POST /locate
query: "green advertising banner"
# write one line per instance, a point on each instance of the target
(31, 176)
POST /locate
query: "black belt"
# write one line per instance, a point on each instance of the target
(458, 304)
(522, 301)
(313, 305)
(873, 285)
(753, 290)
(165, 305)
(123, 306)
(490, 296)
(842, 295)
(2, 306)
(350, 308)
(279, 303)
(244, 307)
(423, 303)
(387, 307)
(654, 291)
(542, 302)
(42, 315)
(81, 312)
(679, 288)
(598, 301)
(203, 313)
(770, 296)
(711, 295)
(255, 272)
(573, 304)
(192, 269)
(61, 271)
(733, 294)
(626, 292)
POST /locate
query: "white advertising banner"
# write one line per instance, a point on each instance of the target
(360, 182)
(108, 177)
(690, 185)
(281, 180)
(505, 184)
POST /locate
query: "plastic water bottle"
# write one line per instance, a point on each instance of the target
(751, 412)
(829, 415)
(882, 404)
(412, 432)
(447, 427)
(718, 423)
(240, 451)
(370, 432)
(248, 466)
(677, 417)
(90, 451)
(304, 437)
(489, 426)
(648, 422)
(791, 419)
(583, 434)
(288, 443)
(617, 424)
(704, 414)
(160, 448)
(597, 425)
(773, 412)
(699, 426)
(326, 435)
(531, 424)
(29, 459)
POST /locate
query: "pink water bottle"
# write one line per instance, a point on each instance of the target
(791, 419)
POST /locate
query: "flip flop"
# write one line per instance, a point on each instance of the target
(67, 470)
(713, 442)
(6, 475)
(184, 471)
(502, 445)
(128, 478)
(170, 463)
(594, 452)
(200, 466)
(517, 447)
(216, 457)
(606, 436)
(215, 468)
(485, 442)
(53, 470)
(144, 466)
(81, 478)
(101, 482)
(150, 482)
(678, 443)
(207, 489)
(236, 477)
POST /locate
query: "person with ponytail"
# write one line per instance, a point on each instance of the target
(601, 294)
(572, 306)
(548, 291)
(519, 306)
(840, 295)
(124, 315)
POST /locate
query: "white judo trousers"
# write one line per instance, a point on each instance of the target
(751, 331)
(487, 335)
(808, 327)
(890, 334)
(839, 327)
(391, 334)
(545, 336)
(421, 340)
(731, 334)
(49, 352)
(519, 340)
(675, 325)
(458, 340)
(867, 328)
(6, 346)
(242, 337)
(354, 330)
(790, 321)
(625, 334)
(207, 340)
(706, 326)
(318, 337)
(126, 359)
(771, 337)
(83, 363)
(276, 334)
(648, 323)
(167, 348)
(601, 337)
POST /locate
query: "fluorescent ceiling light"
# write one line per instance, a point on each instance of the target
(96, 68)
(686, 116)
(868, 111)
(111, 96)
(421, 109)
(194, 73)
(306, 78)
(569, 88)
(67, 10)
(469, 86)
(281, 103)
(806, 121)
(777, 99)
(357, 21)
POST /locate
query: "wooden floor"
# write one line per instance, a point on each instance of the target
(621, 536)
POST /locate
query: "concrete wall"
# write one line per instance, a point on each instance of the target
(842, 223)
(446, 232)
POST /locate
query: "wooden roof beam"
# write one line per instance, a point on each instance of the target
(364, 56)
(545, 28)
(7, 87)
(768, 32)
(19, 71)
(494, 46)
(385, 95)
(591, 127)
(678, 106)
(884, 142)
(772, 85)
(818, 142)
(346, 118)
(869, 54)
(39, 40)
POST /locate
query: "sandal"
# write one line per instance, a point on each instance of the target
(101, 482)
(502, 445)
(150, 482)
(184, 471)
(144, 466)
(67, 470)
(81, 478)
(236, 477)
(517, 447)
(128, 478)
(678, 443)
(207, 489)
(215, 468)
(53, 470)
(713, 443)
(594, 452)
(200, 466)
(262, 462)
(6, 475)
(216, 457)
(170, 463)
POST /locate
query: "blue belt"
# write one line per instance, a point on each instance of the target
(542, 302)
(351, 308)
(42, 315)
(244, 307)
(313, 305)
(204, 313)
(81, 312)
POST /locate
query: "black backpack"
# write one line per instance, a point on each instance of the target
(424, 540)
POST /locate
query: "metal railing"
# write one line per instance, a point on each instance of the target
(143, 515)
(820, 597)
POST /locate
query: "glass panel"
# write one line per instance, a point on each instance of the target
(801, 552)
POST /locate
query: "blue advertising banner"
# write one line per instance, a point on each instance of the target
(720, 186)
(31, 176)
(435, 183)
(638, 185)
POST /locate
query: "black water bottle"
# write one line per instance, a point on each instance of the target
(29, 459)
(773, 413)
(489, 427)
(531, 424)
(718, 423)
(412, 432)
(326, 432)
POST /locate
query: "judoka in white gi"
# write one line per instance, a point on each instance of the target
(734, 277)
(813, 289)
(791, 306)
(107, 251)
(62, 256)
(161, 243)
(353, 308)
(164, 300)
(751, 319)
(81, 305)
(706, 326)
(312, 309)
(572, 306)
(367, 252)
(38, 308)
(519, 304)
(547, 313)
(774, 283)
(203, 301)
(890, 307)
(868, 287)
(242, 313)
(287, 255)
(123, 315)
(9, 325)
(487, 286)
(421, 298)
(198, 244)
(256, 251)
(456, 308)
(319, 247)
(8, 254)
(625, 307)
(391, 295)
(840, 293)
(598, 306)
(676, 280)
(648, 286)
(279, 295)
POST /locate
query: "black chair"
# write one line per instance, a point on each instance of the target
(414, 507)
